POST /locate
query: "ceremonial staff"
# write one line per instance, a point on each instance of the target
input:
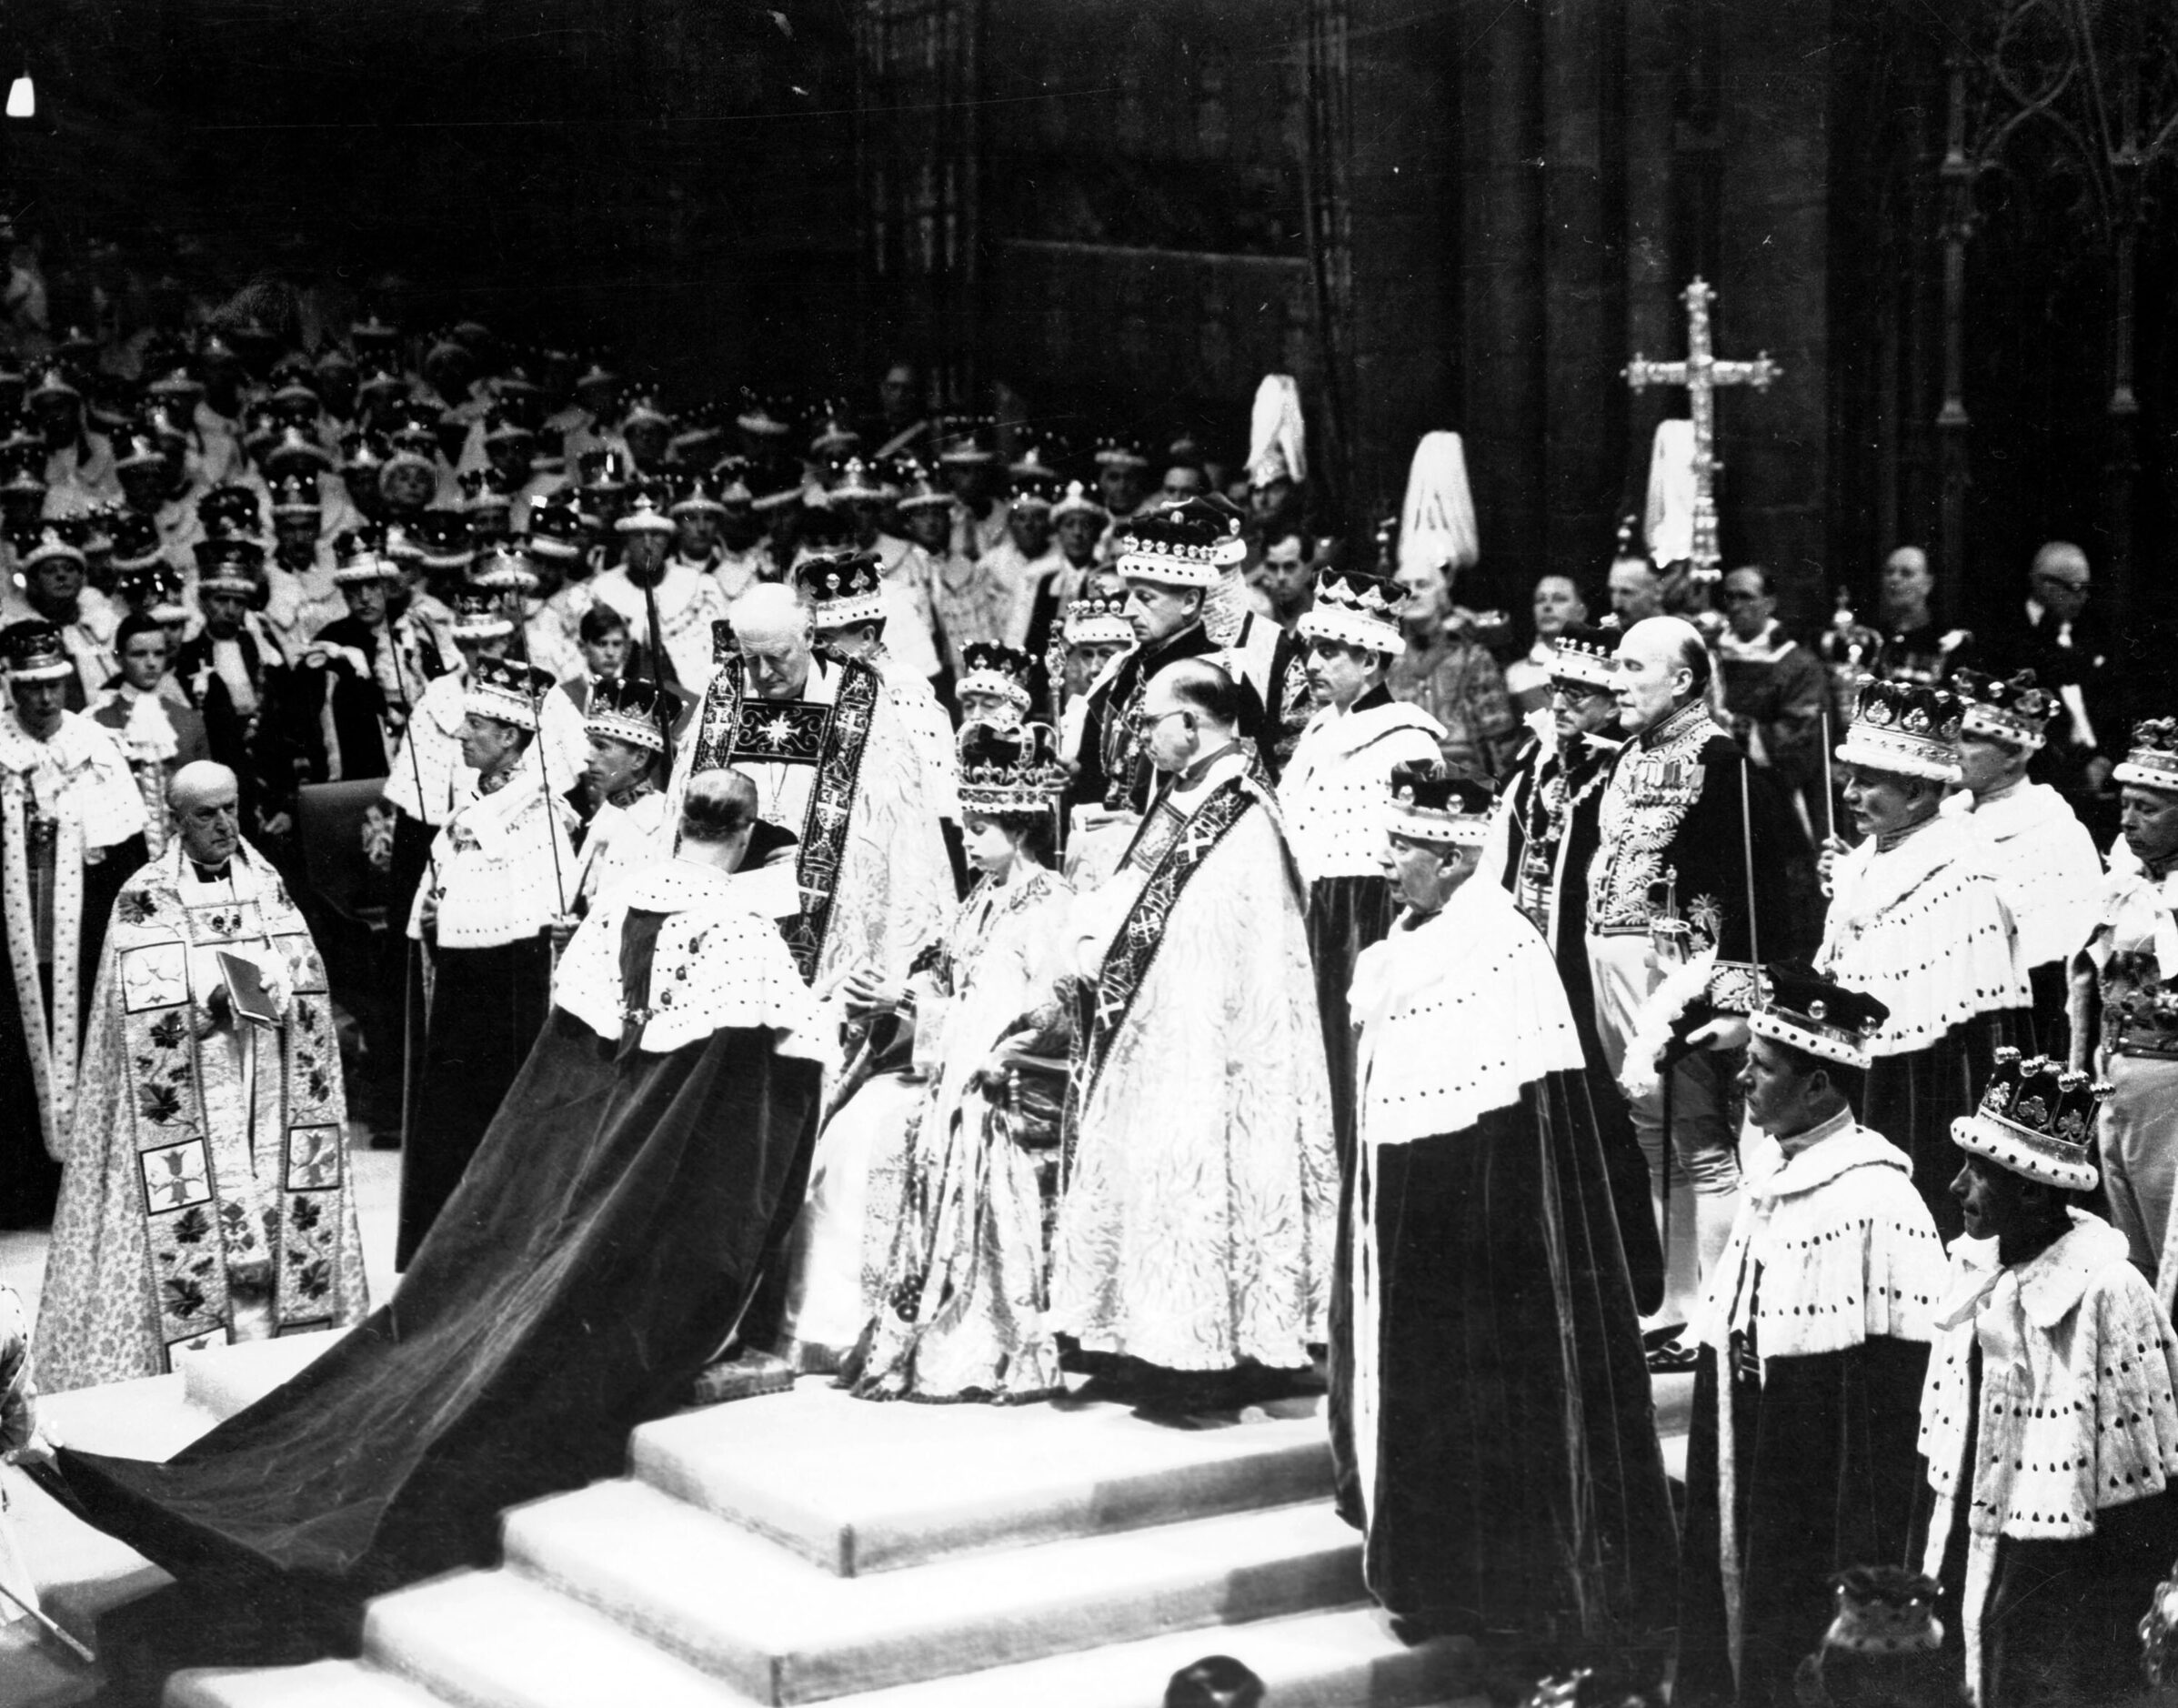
(410, 961)
(1754, 953)
(50, 1629)
(1830, 793)
(658, 668)
(560, 885)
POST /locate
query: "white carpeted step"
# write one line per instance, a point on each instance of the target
(152, 1417)
(1346, 1658)
(497, 1640)
(224, 1379)
(320, 1685)
(859, 1487)
(783, 1631)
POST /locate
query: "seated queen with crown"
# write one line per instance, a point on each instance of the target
(959, 1311)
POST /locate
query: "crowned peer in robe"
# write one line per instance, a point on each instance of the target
(1197, 1219)
(205, 1198)
(630, 828)
(2049, 1423)
(834, 764)
(1172, 563)
(1917, 920)
(686, 600)
(1331, 796)
(1510, 1486)
(71, 832)
(2044, 858)
(1543, 838)
(1814, 1334)
(2124, 1020)
(496, 888)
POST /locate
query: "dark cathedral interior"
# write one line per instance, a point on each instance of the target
(1941, 220)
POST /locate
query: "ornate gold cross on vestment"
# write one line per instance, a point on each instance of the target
(1701, 373)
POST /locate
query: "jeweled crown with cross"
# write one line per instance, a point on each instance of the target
(1009, 773)
(843, 588)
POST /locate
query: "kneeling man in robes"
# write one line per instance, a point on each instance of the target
(205, 1195)
(1512, 1485)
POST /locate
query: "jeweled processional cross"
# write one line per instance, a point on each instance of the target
(1701, 373)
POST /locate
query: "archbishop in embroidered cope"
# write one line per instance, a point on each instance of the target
(1196, 1227)
(206, 1191)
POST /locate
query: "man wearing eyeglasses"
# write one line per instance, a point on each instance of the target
(2054, 634)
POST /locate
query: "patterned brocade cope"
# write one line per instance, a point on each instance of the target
(1198, 1217)
(206, 1195)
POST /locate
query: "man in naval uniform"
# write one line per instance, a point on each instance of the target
(1669, 924)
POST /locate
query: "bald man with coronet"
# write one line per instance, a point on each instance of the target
(205, 1195)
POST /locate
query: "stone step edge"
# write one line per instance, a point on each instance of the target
(404, 1635)
(853, 1661)
(1390, 1674)
(1288, 1475)
(315, 1684)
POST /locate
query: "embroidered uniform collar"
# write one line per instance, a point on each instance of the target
(1687, 720)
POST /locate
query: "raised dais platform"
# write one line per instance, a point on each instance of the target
(809, 1548)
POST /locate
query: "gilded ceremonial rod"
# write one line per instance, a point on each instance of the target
(658, 677)
(50, 1629)
(1754, 953)
(1829, 795)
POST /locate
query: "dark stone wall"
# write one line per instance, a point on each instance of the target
(677, 177)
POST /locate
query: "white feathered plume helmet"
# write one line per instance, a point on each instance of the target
(1277, 437)
(1668, 510)
(1437, 522)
